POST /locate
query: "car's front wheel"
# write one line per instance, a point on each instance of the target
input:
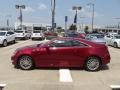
(115, 45)
(25, 63)
(5, 43)
(93, 64)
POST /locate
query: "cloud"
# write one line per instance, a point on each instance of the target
(42, 6)
(28, 9)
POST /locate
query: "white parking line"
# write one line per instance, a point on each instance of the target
(65, 75)
(116, 87)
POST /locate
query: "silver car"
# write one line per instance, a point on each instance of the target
(99, 38)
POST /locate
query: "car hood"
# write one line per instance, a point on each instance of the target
(1, 37)
(28, 47)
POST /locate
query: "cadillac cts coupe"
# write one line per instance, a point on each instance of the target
(62, 52)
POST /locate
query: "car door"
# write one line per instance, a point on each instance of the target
(62, 53)
(8, 36)
(81, 52)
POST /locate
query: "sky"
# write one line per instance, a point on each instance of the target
(39, 11)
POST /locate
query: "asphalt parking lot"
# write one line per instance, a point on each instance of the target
(49, 79)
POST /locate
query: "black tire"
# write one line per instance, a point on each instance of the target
(5, 43)
(93, 64)
(32, 39)
(115, 45)
(25, 63)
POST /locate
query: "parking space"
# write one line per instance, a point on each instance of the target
(49, 78)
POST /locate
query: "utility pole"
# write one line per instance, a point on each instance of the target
(53, 5)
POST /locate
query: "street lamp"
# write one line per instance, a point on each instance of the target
(53, 5)
(76, 8)
(92, 24)
(20, 7)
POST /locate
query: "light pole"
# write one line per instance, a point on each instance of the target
(76, 8)
(7, 22)
(93, 10)
(20, 7)
(53, 5)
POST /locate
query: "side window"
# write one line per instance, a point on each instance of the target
(77, 43)
(8, 33)
(61, 43)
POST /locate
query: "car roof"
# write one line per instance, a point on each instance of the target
(79, 39)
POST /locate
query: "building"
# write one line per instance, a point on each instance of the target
(32, 26)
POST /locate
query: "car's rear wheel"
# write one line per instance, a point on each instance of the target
(93, 64)
(5, 43)
(115, 45)
(26, 63)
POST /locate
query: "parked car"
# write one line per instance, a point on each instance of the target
(6, 37)
(22, 34)
(75, 34)
(113, 40)
(50, 34)
(37, 35)
(62, 52)
(98, 38)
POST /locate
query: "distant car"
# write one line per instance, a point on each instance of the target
(113, 40)
(98, 38)
(62, 52)
(50, 34)
(75, 35)
(22, 34)
(6, 37)
(37, 35)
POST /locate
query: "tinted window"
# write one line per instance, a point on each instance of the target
(36, 31)
(97, 36)
(77, 43)
(117, 37)
(19, 31)
(61, 43)
(2, 33)
(10, 33)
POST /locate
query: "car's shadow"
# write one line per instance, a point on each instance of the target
(9, 44)
(103, 68)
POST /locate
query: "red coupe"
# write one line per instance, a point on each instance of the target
(62, 52)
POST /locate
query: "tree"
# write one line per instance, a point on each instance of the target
(86, 29)
(73, 27)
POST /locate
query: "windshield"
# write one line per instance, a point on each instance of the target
(36, 31)
(98, 36)
(19, 31)
(117, 37)
(2, 33)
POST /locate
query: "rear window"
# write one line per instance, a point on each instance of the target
(19, 31)
(2, 33)
(36, 31)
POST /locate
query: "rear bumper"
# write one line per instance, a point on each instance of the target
(106, 59)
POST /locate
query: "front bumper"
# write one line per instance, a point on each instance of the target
(1, 42)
